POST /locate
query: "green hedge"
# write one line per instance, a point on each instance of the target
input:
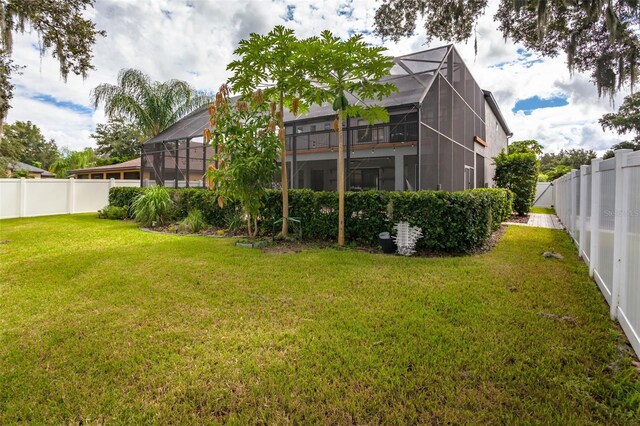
(501, 204)
(450, 221)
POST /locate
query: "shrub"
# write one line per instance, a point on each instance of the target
(113, 213)
(193, 223)
(450, 221)
(121, 196)
(152, 205)
(519, 173)
(501, 201)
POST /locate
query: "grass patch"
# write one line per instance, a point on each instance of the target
(100, 322)
(543, 210)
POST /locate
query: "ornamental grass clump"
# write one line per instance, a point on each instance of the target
(152, 207)
(193, 223)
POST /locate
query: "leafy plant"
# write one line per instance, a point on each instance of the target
(113, 213)
(247, 145)
(194, 222)
(279, 62)
(518, 173)
(153, 205)
(343, 70)
(21, 173)
(233, 220)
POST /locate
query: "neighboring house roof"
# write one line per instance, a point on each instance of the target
(31, 169)
(127, 165)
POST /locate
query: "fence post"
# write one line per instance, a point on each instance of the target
(583, 209)
(619, 230)
(573, 202)
(112, 183)
(23, 197)
(595, 215)
(71, 193)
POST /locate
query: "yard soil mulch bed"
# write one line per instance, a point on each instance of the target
(514, 218)
(296, 246)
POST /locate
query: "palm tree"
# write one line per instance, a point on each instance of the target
(152, 105)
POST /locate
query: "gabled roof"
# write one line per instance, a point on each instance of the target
(413, 74)
(496, 110)
(127, 165)
(31, 169)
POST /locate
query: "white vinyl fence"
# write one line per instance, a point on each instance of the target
(544, 195)
(41, 197)
(600, 207)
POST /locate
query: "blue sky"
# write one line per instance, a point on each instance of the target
(535, 102)
(194, 40)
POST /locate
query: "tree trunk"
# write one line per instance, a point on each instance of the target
(249, 226)
(340, 181)
(284, 179)
(255, 226)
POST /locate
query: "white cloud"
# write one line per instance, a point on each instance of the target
(194, 40)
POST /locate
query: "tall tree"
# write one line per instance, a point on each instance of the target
(72, 160)
(556, 164)
(118, 140)
(23, 141)
(530, 145)
(276, 63)
(599, 36)
(626, 120)
(61, 28)
(348, 68)
(611, 152)
(151, 105)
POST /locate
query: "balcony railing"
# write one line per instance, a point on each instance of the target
(359, 136)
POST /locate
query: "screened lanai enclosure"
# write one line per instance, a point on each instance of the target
(442, 132)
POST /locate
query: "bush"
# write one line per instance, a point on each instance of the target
(501, 204)
(193, 223)
(113, 213)
(450, 221)
(121, 196)
(184, 200)
(519, 173)
(152, 205)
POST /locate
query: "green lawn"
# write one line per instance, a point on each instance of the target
(103, 323)
(543, 210)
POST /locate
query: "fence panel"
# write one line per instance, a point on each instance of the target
(628, 308)
(41, 197)
(544, 195)
(600, 208)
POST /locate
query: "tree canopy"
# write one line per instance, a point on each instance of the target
(62, 29)
(525, 146)
(627, 119)
(600, 37)
(151, 105)
(553, 165)
(118, 140)
(72, 160)
(23, 141)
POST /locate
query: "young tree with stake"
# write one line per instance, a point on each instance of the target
(343, 69)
